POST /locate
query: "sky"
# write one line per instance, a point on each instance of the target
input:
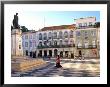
(37, 19)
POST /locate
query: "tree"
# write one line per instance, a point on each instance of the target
(97, 24)
(24, 29)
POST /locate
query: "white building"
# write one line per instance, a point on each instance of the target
(56, 40)
(64, 40)
(29, 42)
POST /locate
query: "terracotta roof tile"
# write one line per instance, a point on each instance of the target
(58, 27)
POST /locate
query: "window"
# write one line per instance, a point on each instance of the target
(71, 34)
(71, 42)
(78, 33)
(30, 43)
(34, 36)
(55, 43)
(45, 43)
(30, 36)
(40, 36)
(50, 43)
(93, 33)
(55, 35)
(60, 34)
(79, 44)
(26, 44)
(19, 46)
(94, 43)
(50, 35)
(90, 23)
(61, 42)
(26, 37)
(80, 24)
(66, 34)
(86, 44)
(66, 42)
(86, 37)
(34, 44)
(85, 24)
(85, 33)
(40, 43)
(45, 36)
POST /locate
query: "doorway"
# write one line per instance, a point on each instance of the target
(45, 53)
(80, 53)
(72, 55)
(66, 53)
(55, 52)
(40, 53)
(61, 54)
(50, 53)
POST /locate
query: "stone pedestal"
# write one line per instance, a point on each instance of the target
(16, 42)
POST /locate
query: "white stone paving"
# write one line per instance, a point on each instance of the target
(71, 68)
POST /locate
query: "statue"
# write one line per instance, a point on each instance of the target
(15, 22)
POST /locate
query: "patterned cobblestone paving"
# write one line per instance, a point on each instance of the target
(71, 68)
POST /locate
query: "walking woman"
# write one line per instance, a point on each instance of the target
(58, 62)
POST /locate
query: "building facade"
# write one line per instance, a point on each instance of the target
(29, 42)
(56, 40)
(87, 37)
(67, 41)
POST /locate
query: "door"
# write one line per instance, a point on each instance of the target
(50, 53)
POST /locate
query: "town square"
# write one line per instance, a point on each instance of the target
(75, 47)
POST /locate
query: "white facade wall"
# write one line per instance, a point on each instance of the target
(30, 40)
(85, 20)
(58, 40)
(69, 49)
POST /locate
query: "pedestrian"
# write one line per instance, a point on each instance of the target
(58, 62)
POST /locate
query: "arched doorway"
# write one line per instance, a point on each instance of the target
(45, 53)
(50, 53)
(72, 55)
(55, 52)
(40, 53)
(66, 54)
(31, 54)
(61, 54)
(80, 53)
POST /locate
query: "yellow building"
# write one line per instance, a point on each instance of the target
(87, 37)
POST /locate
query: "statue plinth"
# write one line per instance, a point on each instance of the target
(16, 42)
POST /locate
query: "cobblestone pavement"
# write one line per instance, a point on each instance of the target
(70, 68)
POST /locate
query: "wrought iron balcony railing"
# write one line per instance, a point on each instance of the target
(87, 47)
(83, 27)
(56, 46)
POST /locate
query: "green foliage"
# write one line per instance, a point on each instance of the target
(97, 24)
(24, 29)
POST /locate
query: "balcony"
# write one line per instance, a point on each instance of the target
(84, 27)
(56, 46)
(87, 47)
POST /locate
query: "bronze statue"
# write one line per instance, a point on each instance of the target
(15, 22)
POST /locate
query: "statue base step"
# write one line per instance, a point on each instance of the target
(25, 64)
